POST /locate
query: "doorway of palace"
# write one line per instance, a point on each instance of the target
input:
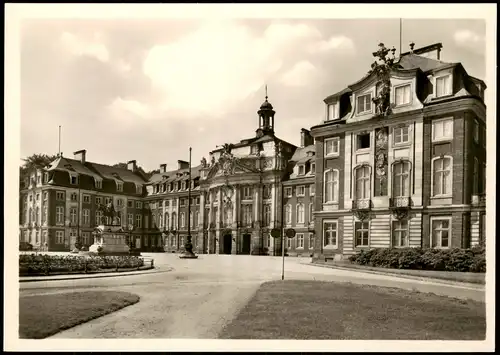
(227, 244)
(245, 247)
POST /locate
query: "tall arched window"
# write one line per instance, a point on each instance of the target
(174, 220)
(37, 215)
(191, 219)
(442, 176)
(167, 220)
(160, 220)
(362, 176)
(332, 186)
(30, 215)
(183, 219)
(401, 179)
(300, 213)
(154, 220)
(267, 215)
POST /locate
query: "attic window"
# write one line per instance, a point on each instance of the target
(332, 112)
(73, 179)
(138, 189)
(254, 149)
(443, 85)
(364, 103)
(313, 168)
(119, 186)
(98, 184)
(302, 169)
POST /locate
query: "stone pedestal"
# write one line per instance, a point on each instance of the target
(110, 240)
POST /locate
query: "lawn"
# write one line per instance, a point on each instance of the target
(342, 311)
(41, 316)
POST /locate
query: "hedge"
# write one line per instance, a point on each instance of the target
(41, 264)
(464, 260)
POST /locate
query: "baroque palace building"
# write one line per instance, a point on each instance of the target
(398, 161)
(406, 169)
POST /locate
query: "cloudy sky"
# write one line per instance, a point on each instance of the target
(150, 89)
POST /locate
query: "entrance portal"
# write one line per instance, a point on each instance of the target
(228, 243)
(245, 248)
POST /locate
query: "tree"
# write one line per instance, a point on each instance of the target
(382, 68)
(37, 161)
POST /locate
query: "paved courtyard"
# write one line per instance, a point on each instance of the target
(197, 297)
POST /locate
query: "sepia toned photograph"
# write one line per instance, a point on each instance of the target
(188, 176)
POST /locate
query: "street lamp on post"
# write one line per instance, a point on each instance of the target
(188, 247)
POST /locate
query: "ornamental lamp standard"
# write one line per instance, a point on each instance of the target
(188, 247)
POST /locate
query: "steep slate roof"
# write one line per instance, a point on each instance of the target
(172, 175)
(300, 154)
(97, 171)
(413, 61)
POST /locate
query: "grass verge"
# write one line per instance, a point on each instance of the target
(340, 311)
(41, 316)
(468, 277)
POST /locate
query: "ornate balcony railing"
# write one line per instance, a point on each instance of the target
(400, 206)
(361, 208)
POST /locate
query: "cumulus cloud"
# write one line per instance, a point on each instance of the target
(85, 47)
(334, 42)
(122, 108)
(222, 63)
(301, 73)
(469, 39)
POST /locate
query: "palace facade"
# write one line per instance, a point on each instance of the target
(398, 161)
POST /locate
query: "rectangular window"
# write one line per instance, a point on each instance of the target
(401, 135)
(247, 193)
(138, 205)
(364, 103)
(402, 95)
(182, 202)
(98, 217)
(311, 212)
(138, 189)
(289, 243)
(86, 217)
(130, 204)
(288, 192)
(45, 196)
(98, 184)
(363, 186)
(86, 198)
(330, 234)
(74, 180)
(59, 215)
(59, 237)
(300, 241)
(332, 186)
(167, 203)
(138, 221)
(401, 179)
(119, 202)
(267, 215)
(98, 200)
(85, 238)
(313, 168)
(38, 179)
(301, 190)
(108, 200)
(312, 190)
(311, 241)
(442, 129)
(442, 176)
(400, 233)
(59, 196)
(72, 213)
(363, 141)
(332, 112)
(130, 219)
(443, 85)
(440, 232)
(38, 197)
(302, 169)
(45, 177)
(332, 147)
(267, 192)
(183, 219)
(74, 197)
(288, 214)
(361, 232)
(475, 179)
(476, 131)
(119, 186)
(247, 215)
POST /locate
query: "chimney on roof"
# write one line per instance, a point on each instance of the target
(80, 155)
(163, 168)
(305, 138)
(132, 165)
(411, 47)
(432, 51)
(181, 164)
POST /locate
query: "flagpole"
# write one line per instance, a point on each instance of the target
(188, 247)
(59, 152)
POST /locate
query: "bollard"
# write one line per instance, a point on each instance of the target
(152, 263)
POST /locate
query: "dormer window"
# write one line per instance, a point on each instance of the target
(119, 186)
(332, 111)
(364, 104)
(254, 149)
(443, 85)
(98, 184)
(73, 179)
(313, 168)
(183, 185)
(402, 95)
(138, 189)
(45, 177)
(302, 169)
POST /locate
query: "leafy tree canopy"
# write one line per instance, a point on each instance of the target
(37, 161)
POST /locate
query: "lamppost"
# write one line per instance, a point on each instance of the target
(188, 247)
